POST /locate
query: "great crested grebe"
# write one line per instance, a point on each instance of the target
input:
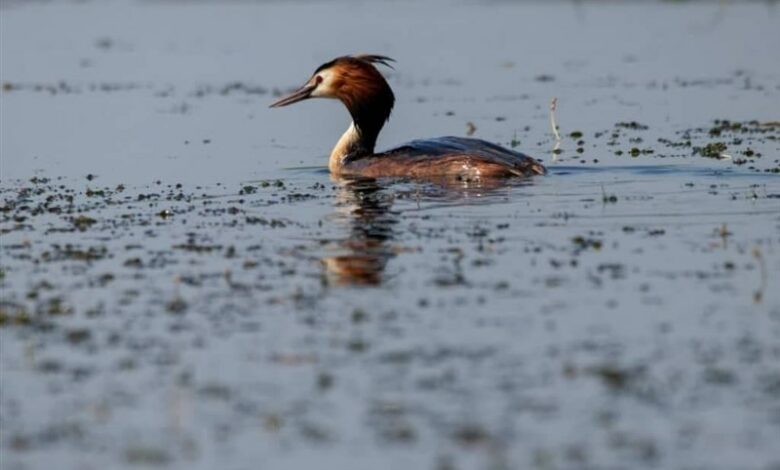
(358, 84)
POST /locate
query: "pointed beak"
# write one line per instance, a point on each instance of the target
(300, 94)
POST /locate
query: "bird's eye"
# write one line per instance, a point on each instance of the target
(318, 79)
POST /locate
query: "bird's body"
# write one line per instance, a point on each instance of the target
(467, 159)
(358, 84)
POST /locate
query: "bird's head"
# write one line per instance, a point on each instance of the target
(354, 80)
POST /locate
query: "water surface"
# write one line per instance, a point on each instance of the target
(185, 286)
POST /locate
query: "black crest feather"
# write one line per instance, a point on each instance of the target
(375, 59)
(367, 58)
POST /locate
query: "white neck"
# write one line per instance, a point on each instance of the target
(344, 146)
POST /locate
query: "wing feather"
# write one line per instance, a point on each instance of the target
(476, 149)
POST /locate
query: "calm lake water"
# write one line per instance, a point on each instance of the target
(185, 286)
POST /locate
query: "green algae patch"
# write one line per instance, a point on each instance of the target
(14, 315)
(711, 150)
(83, 222)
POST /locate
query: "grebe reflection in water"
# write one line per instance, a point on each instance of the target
(368, 247)
(372, 223)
